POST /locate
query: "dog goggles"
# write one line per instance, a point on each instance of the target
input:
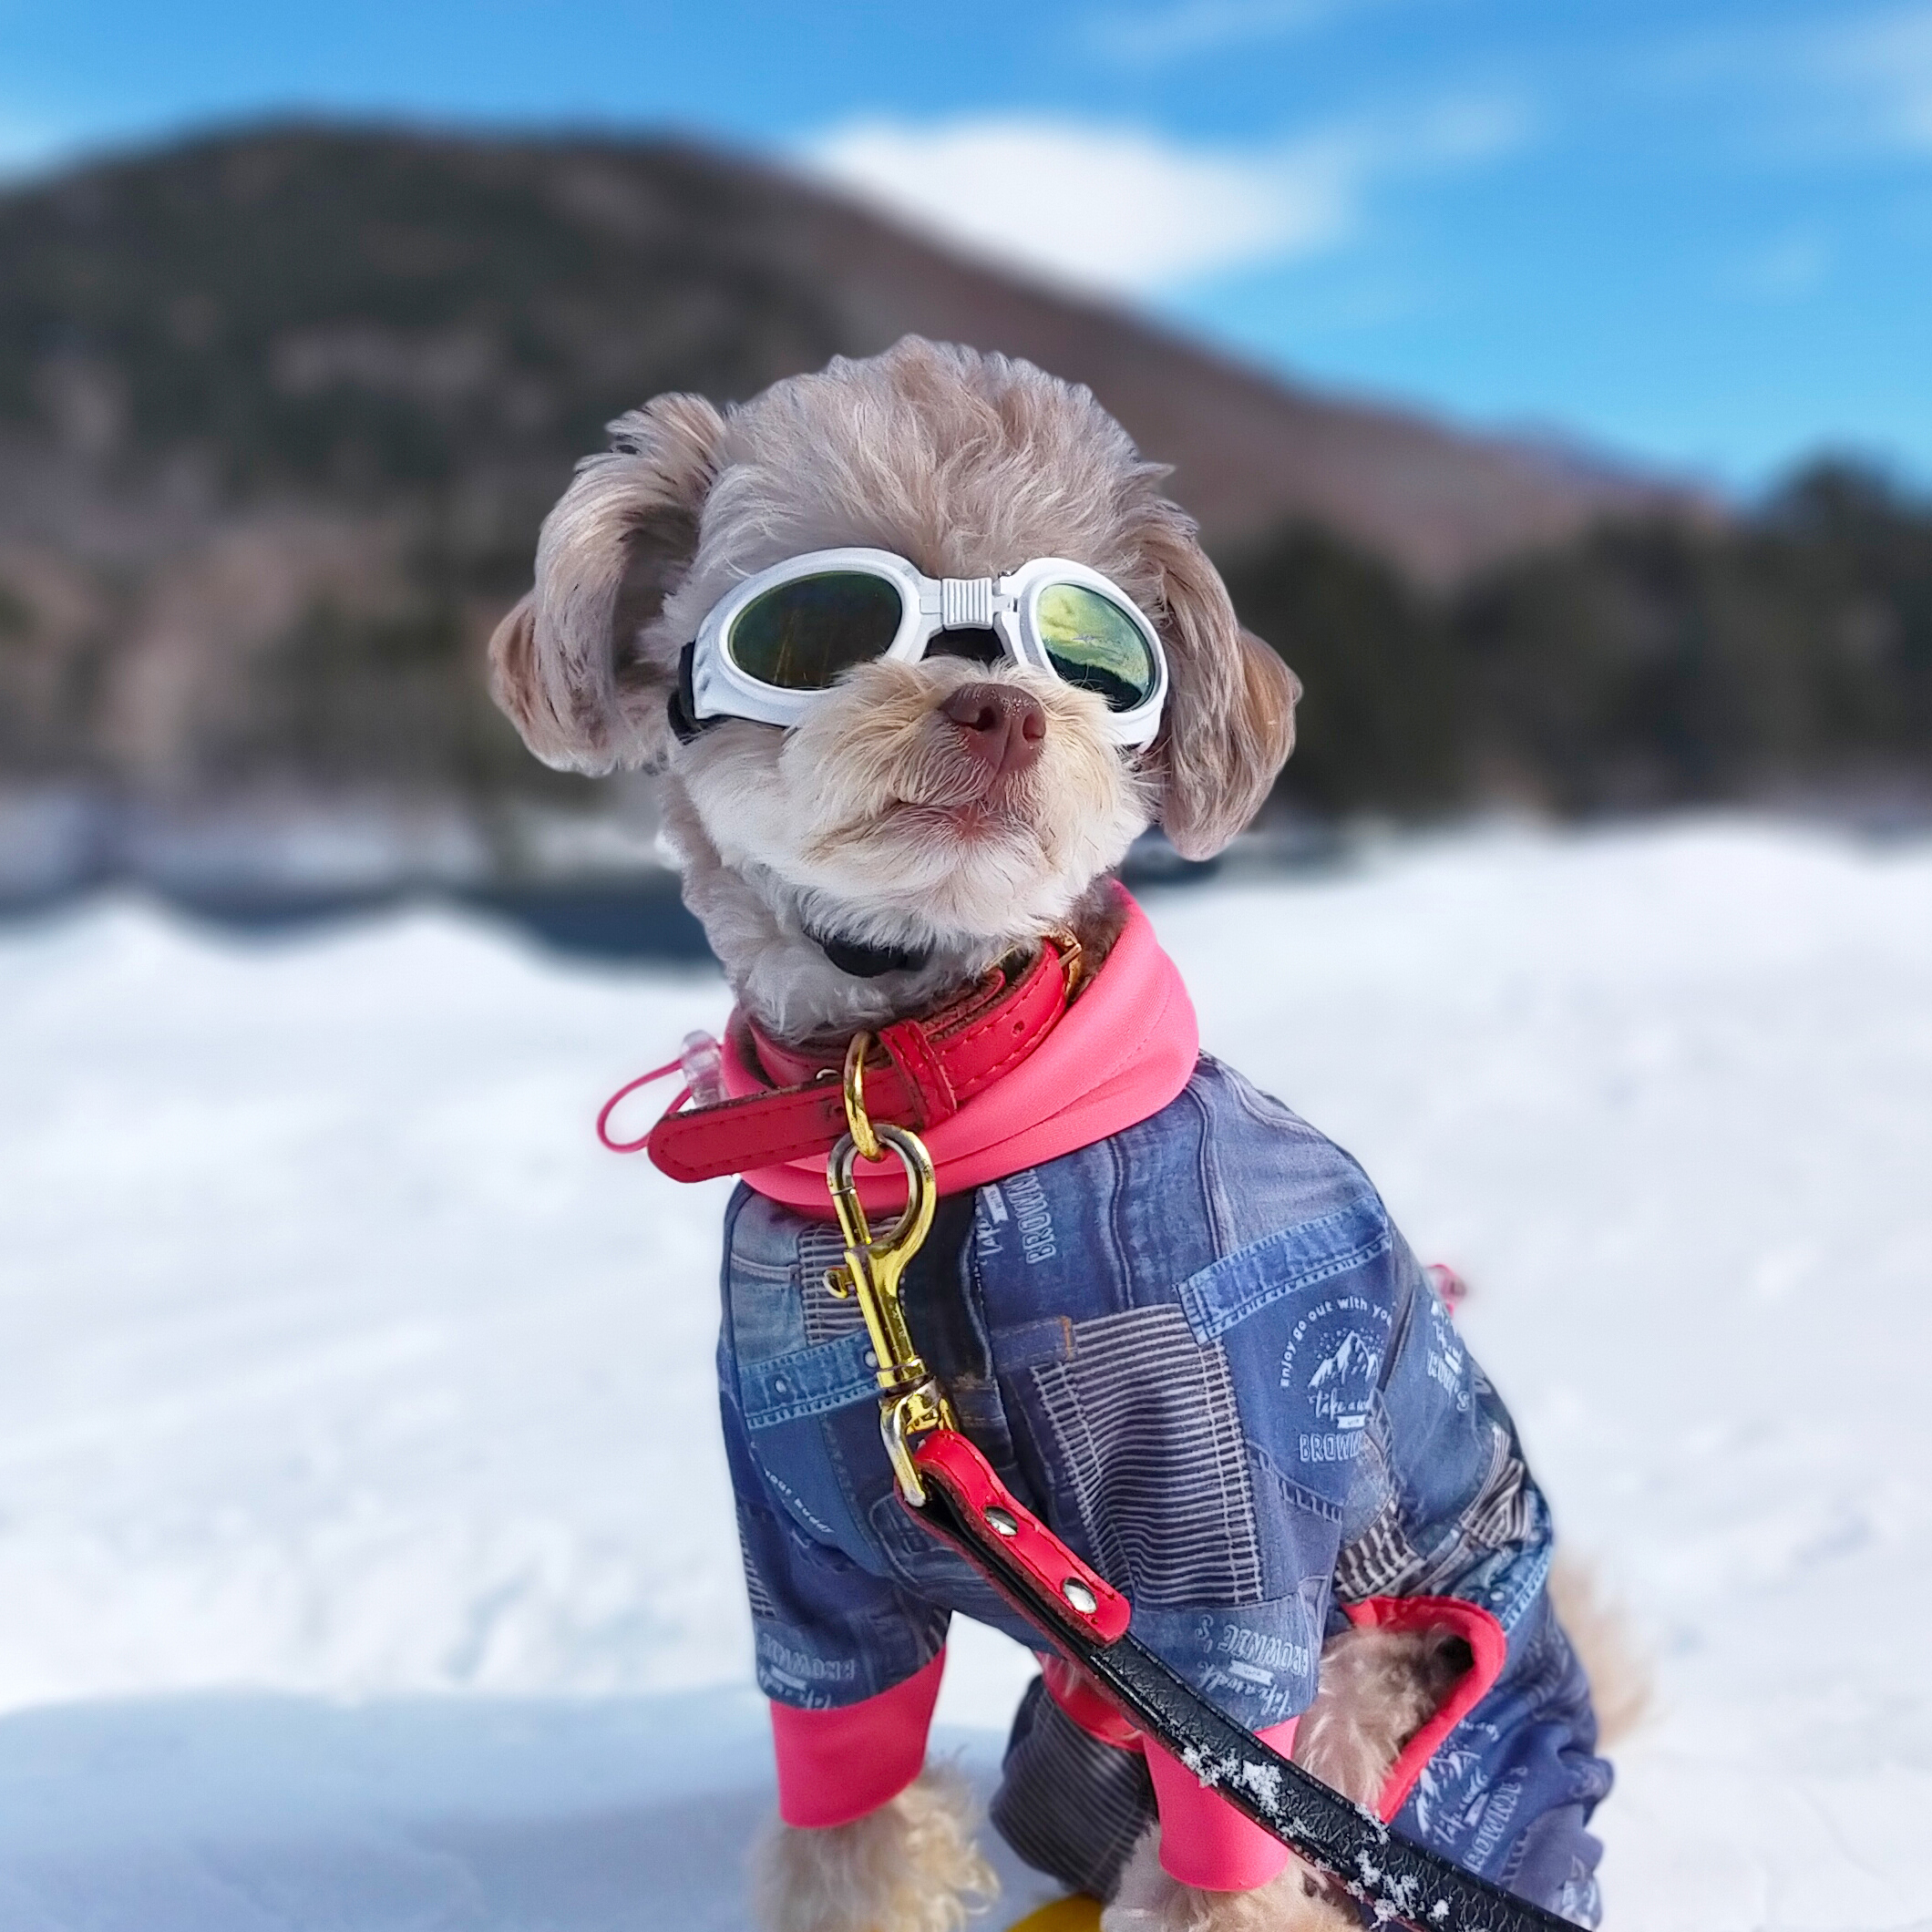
(781, 640)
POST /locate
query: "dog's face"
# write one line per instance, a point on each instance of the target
(942, 803)
(957, 804)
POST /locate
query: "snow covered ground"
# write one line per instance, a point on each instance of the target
(364, 1554)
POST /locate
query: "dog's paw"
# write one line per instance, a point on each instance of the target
(909, 1866)
(1148, 1900)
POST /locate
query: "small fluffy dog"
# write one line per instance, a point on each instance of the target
(868, 833)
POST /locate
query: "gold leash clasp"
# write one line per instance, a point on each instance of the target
(911, 1403)
(864, 1138)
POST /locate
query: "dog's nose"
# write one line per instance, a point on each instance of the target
(1000, 724)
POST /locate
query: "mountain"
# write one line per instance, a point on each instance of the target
(338, 309)
(281, 410)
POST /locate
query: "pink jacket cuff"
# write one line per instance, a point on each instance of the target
(1204, 1840)
(837, 1766)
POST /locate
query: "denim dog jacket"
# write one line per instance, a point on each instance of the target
(1200, 1351)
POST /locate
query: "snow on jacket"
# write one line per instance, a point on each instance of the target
(1199, 1349)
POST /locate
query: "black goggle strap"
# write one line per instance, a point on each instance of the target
(681, 709)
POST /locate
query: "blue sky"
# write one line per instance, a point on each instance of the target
(1696, 234)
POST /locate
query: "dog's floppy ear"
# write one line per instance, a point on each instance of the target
(1230, 714)
(573, 663)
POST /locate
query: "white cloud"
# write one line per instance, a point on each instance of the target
(1127, 210)
(1859, 85)
(1887, 59)
(1109, 208)
(1783, 270)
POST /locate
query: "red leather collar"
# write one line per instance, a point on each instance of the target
(923, 1072)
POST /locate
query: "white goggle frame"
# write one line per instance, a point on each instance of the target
(1007, 606)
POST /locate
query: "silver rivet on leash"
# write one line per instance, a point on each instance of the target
(1077, 1594)
(1004, 1521)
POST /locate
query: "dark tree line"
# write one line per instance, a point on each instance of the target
(1640, 665)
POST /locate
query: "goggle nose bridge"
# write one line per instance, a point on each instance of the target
(962, 604)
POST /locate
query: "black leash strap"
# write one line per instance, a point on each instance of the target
(1398, 1879)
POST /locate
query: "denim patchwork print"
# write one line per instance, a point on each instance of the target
(1258, 1661)
(1149, 1449)
(809, 1382)
(1282, 1264)
(827, 1316)
(1068, 1803)
(829, 1629)
(763, 1605)
(1527, 1753)
(1379, 1562)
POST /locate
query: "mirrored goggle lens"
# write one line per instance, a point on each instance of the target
(1092, 642)
(800, 635)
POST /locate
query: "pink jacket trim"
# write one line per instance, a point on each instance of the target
(1204, 1840)
(837, 1766)
(1487, 1645)
(1126, 1047)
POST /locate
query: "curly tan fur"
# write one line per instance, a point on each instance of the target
(1619, 1678)
(1147, 1900)
(569, 664)
(1216, 779)
(909, 1866)
(1378, 1687)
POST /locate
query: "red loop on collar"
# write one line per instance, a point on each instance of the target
(925, 1070)
(623, 1094)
